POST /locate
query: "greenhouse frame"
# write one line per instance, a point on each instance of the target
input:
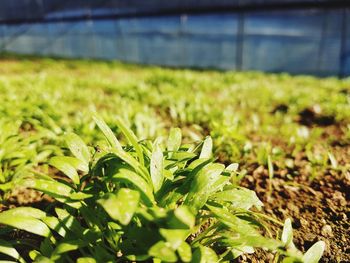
(308, 37)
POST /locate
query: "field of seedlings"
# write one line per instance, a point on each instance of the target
(110, 162)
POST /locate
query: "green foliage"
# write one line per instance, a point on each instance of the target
(182, 203)
(139, 202)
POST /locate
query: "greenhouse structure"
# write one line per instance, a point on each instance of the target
(294, 36)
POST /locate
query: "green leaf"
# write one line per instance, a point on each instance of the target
(33, 254)
(80, 196)
(7, 249)
(27, 212)
(46, 247)
(112, 140)
(182, 156)
(25, 222)
(185, 252)
(204, 255)
(314, 254)
(245, 233)
(333, 160)
(66, 165)
(139, 169)
(233, 167)
(66, 246)
(174, 236)
(239, 198)
(207, 148)
(70, 222)
(132, 139)
(86, 260)
(174, 140)
(121, 206)
(163, 251)
(42, 259)
(182, 219)
(156, 167)
(238, 251)
(202, 185)
(287, 233)
(77, 146)
(50, 187)
(55, 224)
(126, 175)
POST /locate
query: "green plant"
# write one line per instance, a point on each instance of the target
(164, 201)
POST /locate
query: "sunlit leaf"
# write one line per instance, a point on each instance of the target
(201, 186)
(239, 198)
(24, 222)
(53, 188)
(107, 132)
(204, 255)
(7, 249)
(174, 140)
(121, 206)
(163, 251)
(207, 148)
(77, 146)
(287, 233)
(156, 167)
(126, 175)
(185, 252)
(86, 260)
(314, 254)
(131, 138)
(66, 165)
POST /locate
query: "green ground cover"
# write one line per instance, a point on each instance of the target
(167, 194)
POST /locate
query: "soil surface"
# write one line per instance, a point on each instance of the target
(319, 208)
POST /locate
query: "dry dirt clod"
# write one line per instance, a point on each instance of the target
(326, 231)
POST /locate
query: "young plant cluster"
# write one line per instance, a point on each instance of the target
(163, 201)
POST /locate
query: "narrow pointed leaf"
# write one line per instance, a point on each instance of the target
(156, 167)
(65, 165)
(7, 249)
(126, 175)
(108, 133)
(287, 233)
(207, 148)
(27, 223)
(77, 146)
(239, 198)
(53, 188)
(65, 247)
(201, 186)
(131, 138)
(26, 212)
(174, 140)
(314, 254)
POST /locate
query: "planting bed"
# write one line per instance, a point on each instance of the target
(290, 136)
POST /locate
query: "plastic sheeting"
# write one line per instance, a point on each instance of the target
(298, 41)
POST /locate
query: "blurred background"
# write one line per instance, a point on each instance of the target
(294, 36)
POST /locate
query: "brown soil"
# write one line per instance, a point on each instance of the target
(320, 209)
